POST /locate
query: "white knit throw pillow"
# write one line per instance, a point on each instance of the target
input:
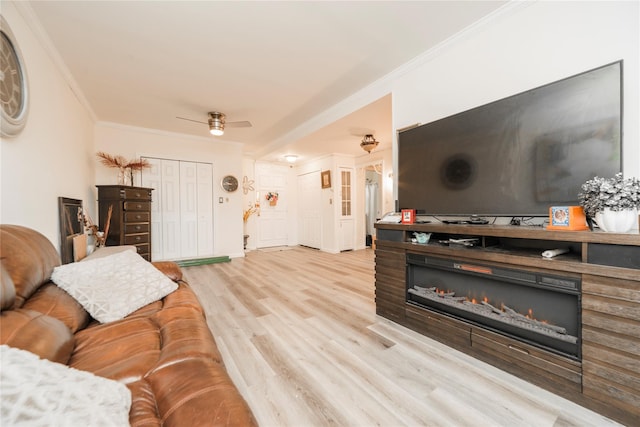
(112, 287)
(37, 392)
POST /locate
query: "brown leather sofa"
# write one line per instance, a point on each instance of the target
(164, 352)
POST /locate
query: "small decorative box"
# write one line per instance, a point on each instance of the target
(567, 218)
(408, 216)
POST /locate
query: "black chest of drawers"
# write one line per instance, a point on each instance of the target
(130, 217)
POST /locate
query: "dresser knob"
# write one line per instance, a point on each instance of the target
(138, 227)
(138, 238)
(138, 217)
(137, 194)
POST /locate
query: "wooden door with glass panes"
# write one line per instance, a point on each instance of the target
(347, 226)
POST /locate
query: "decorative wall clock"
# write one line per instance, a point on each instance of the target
(14, 93)
(229, 183)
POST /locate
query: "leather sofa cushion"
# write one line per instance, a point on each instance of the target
(43, 335)
(170, 269)
(7, 290)
(183, 297)
(123, 350)
(28, 257)
(187, 390)
(184, 334)
(54, 302)
(143, 411)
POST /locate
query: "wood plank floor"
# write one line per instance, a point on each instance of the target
(300, 338)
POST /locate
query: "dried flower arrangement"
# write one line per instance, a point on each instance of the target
(125, 167)
(253, 209)
(112, 161)
(614, 193)
(101, 237)
(272, 196)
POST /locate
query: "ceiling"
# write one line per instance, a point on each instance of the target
(275, 64)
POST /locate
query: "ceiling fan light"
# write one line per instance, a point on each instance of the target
(216, 124)
(369, 143)
(291, 158)
(216, 131)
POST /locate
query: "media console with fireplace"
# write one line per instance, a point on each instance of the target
(570, 324)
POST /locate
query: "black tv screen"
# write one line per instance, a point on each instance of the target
(519, 155)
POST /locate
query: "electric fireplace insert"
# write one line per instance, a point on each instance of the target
(535, 307)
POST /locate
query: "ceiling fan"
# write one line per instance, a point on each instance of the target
(217, 122)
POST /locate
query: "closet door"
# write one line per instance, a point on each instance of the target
(182, 208)
(188, 209)
(170, 206)
(205, 209)
(152, 178)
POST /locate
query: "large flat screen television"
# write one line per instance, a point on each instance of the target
(519, 155)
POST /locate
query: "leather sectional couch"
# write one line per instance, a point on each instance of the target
(164, 352)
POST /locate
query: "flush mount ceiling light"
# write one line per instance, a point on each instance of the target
(216, 124)
(291, 158)
(369, 143)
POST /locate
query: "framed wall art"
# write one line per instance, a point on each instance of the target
(326, 178)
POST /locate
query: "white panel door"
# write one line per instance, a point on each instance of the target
(347, 229)
(205, 209)
(152, 178)
(272, 222)
(171, 243)
(182, 208)
(188, 209)
(309, 206)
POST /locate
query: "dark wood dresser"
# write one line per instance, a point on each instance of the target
(131, 216)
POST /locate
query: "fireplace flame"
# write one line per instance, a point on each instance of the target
(499, 311)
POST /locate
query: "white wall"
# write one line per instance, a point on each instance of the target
(531, 44)
(226, 158)
(53, 156)
(249, 199)
(330, 207)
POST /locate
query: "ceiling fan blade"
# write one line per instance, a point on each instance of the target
(241, 124)
(191, 120)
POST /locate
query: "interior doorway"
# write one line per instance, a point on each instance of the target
(372, 200)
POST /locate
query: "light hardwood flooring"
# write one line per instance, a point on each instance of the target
(300, 338)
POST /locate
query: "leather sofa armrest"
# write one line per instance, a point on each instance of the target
(170, 269)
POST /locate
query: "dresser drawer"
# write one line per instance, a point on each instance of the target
(142, 227)
(137, 206)
(137, 216)
(143, 251)
(136, 193)
(135, 239)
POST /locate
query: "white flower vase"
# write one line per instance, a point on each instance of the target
(618, 221)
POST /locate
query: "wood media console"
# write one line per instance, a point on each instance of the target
(570, 324)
